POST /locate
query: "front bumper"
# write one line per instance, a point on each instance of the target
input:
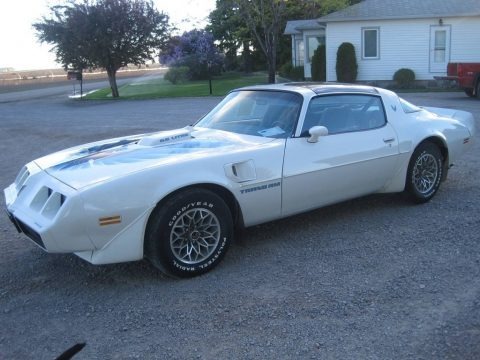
(47, 211)
(27, 230)
(58, 219)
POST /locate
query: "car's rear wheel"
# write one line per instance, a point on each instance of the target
(189, 234)
(424, 172)
(478, 89)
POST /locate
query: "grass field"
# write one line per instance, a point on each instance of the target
(160, 88)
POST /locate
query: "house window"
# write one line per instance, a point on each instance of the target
(313, 42)
(440, 48)
(299, 52)
(370, 43)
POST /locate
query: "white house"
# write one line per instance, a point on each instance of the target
(422, 35)
(307, 35)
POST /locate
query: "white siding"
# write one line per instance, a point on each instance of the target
(465, 39)
(403, 44)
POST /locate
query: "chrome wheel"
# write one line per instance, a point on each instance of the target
(425, 173)
(195, 235)
(189, 233)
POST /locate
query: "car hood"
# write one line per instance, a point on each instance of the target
(101, 161)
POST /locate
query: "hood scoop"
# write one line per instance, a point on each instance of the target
(166, 137)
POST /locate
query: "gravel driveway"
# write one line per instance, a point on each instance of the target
(373, 278)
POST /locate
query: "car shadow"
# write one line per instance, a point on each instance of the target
(248, 243)
(326, 215)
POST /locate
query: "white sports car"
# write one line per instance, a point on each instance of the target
(263, 153)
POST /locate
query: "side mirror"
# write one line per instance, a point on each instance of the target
(315, 132)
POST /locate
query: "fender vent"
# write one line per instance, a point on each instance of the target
(241, 171)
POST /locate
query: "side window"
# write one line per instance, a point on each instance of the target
(344, 113)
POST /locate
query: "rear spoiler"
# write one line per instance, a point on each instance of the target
(464, 117)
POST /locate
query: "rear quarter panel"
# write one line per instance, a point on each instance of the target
(413, 128)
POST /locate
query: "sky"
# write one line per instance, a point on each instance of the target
(20, 49)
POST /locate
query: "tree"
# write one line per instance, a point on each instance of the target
(311, 9)
(231, 32)
(107, 34)
(265, 19)
(259, 24)
(196, 50)
(225, 25)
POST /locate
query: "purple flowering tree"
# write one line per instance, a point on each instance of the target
(196, 50)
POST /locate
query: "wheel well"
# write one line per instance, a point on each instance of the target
(444, 151)
(440, 144)
(224, 193)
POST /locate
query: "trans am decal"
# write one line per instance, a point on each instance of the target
(260, 187)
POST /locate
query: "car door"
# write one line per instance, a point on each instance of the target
(357, 157)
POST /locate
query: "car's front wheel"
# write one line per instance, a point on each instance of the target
(189, 234)
(424, 172)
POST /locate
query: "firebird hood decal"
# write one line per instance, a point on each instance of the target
(123, 154)
(92, 163)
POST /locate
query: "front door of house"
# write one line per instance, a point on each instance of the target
(439, 48)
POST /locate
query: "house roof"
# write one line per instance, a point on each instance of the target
(404, 9)
(296, 26)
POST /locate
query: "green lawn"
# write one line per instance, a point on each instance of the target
(160, 88)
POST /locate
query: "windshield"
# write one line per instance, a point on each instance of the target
(255, 112)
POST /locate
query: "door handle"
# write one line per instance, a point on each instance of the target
(389, 140)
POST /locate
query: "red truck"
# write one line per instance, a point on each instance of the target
(467, 75)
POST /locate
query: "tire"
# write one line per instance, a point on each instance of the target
(469, 92)
(189, 234)
(477, 90)
(424, 173)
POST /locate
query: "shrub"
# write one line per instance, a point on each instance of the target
(298, 73)
(404, 78)
(346, 63)
(319, 64)
(291, 72)
(177, 74)
(285, 70)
